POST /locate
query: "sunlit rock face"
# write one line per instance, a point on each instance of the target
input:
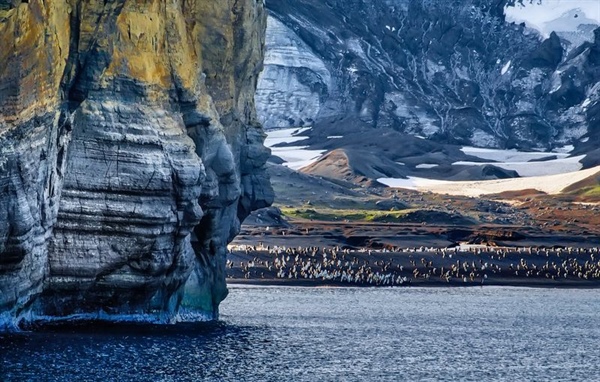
(130, 152)
(456, 72)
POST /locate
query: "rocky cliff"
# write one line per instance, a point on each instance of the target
(130, 152)
(456, 72)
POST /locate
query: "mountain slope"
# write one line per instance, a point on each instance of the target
(455, 72)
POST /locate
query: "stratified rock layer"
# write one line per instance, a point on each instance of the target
(130, 153)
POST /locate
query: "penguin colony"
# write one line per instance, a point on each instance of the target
(406, 266)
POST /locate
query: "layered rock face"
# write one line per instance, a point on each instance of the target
(295, 84)
(455, 72)
(130, 153)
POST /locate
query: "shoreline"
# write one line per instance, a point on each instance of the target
(416, 284)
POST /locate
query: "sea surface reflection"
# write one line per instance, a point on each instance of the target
(334, 334)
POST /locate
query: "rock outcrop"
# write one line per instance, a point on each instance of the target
(130, 152)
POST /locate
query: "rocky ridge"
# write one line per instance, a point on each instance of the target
(130, 153)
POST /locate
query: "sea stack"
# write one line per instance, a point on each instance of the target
(130, 153)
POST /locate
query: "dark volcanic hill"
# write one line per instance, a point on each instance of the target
(454, 71)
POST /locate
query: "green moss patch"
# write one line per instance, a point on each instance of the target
(327, 214)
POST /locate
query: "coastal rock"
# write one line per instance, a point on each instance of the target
(130, 154)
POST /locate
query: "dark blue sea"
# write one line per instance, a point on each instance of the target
(334, 334)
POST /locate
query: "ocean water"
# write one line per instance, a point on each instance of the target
(334, 334)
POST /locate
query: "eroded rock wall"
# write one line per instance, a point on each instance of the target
(130, 153)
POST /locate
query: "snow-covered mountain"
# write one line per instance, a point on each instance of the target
(573, 21)
(488, 73)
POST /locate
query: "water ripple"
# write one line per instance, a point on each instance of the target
(342, 334)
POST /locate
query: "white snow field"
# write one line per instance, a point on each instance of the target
(290, 135)
(513, 155)
(549, 16)
(295, 157)
(426, 165)
(526, 163)
(550, 184)
(529, 169)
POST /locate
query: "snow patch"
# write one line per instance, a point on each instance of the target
(335, 137)
(295, 157)
(552, 184)
(354, 46)
(532, 169)
(508, 155)
(412, 182)
(506, 67)
(484, 139)
(426, 165)
(291, 135)
(565, 149)
(526, 163)
(549, 16)
(555, 89)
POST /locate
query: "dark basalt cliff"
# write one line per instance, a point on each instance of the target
(129, 153)
(452, 71)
